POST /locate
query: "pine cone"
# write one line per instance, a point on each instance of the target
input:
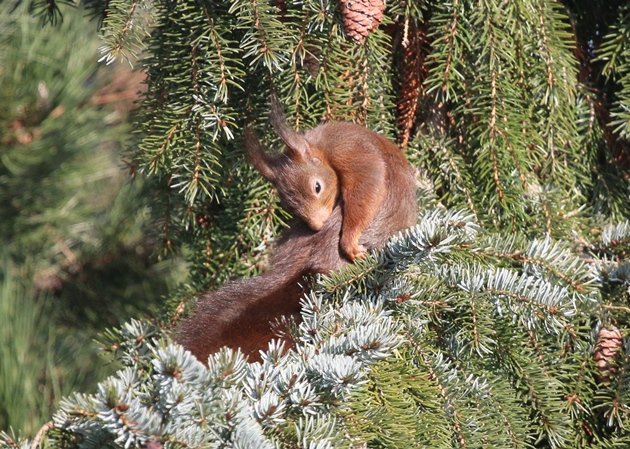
(412, 74)
(360, 17)
(609, 343)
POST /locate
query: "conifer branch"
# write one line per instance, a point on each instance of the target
(125, 29)
(456, 167)
(445, 70)
(263, 37)
(436, 373)
(544, 257)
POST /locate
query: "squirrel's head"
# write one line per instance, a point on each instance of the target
(307, 185)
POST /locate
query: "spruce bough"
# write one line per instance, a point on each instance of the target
(451, 336)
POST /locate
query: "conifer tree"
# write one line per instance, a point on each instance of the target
(500, 320)
(515, 113)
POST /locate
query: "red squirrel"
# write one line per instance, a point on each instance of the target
(352, 189)
(334, 161)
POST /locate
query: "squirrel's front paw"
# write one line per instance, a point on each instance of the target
(353, 250)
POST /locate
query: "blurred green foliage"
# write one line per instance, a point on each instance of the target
(75, 233)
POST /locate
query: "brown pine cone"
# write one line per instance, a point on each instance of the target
(360, 17)
(609, 343)
(414, 49)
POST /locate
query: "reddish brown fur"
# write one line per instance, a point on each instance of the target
(358, 157)
(378, 199)
(348, 160)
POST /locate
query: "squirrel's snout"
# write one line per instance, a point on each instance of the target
(316, 221)
(315, 225)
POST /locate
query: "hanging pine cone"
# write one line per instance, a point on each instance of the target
(609, 343)
(360, 17)
(413, 71)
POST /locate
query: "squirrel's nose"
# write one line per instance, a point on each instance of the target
(317, 220)
(315, 225)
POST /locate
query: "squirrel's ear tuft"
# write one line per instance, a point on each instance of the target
(297, 146)
(256, 154)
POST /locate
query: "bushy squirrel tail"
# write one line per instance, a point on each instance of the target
(241, 313)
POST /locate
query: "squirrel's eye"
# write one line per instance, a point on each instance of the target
(318, 187)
